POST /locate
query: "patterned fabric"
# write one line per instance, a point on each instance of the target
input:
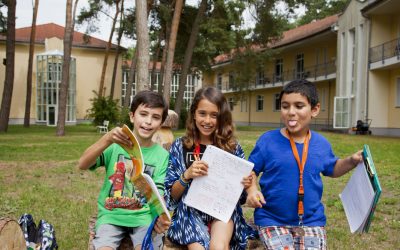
(42, 237)
(288, 238)
(190, 225)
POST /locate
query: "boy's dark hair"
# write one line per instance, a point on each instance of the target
(303, 87)
(150, 99)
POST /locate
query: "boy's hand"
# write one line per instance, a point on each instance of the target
(356, 158)
(255, 199)
(247, 181)
(162, 224)
(116, 135)
(197, 169)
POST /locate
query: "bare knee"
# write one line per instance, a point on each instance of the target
(218, 245)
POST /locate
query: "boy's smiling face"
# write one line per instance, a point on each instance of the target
(296, 114)
(146, 122)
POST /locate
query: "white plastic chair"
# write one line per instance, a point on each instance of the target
(103, 128)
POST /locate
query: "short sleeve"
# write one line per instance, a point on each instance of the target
(329, 162)
(103, 158)
(257, 157)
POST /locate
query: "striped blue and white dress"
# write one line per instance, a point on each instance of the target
(190, 225)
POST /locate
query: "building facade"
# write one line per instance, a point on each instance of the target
(86, 66)
(85, 72)
(353, 58)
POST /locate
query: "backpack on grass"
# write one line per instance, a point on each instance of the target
(38, 237)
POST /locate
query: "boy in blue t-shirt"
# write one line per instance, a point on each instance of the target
(121, 208)
(289, 213)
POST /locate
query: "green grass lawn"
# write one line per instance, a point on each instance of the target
(38, 175)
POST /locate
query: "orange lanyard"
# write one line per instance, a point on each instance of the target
(300, 207)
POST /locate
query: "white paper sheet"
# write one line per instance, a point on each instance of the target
(218, 193)
(357, 198)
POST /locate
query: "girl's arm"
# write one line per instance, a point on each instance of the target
(343, 166)
(254, 197)
(197, 169)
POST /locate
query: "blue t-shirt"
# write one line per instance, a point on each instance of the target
(279, 182)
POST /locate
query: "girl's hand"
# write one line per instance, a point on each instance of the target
(247, 181)
(255, 199)
(116, 135)
(197, 169)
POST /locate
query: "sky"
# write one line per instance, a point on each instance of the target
(53, 11)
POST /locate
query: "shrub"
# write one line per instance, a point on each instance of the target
(103, 108)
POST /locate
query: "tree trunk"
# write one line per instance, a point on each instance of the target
(142, 33)
(163, 60)
(10, 63)
(188, 56)
(120, 31)
(103, 71)
(30, 65)
(131, 79)
(155, 60)
(171, 49)
(68, 38)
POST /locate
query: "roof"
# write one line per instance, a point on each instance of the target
(291, 36)
(51, 30)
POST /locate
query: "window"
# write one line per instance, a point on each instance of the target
(125, 79)
(231, 103)
(260, 78)
(278, 70)
(219, 81)
(243, 104)
(231, 83)
(260, 103)
(277, 102)
(341, 116)
(322, 98)
(352, 55)
(398, 93)
(299, 66)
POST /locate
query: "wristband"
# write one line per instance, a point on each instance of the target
(182, 182)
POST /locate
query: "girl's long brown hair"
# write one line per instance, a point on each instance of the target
(223, 137)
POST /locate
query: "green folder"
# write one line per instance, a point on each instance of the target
(373, 176)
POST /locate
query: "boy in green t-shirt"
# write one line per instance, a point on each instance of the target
(121, 208)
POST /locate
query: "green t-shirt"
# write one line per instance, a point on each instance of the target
(118, 190)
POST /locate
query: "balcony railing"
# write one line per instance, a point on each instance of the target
(311, 73)
(384, 51)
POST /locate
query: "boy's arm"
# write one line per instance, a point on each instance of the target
(88, 157)
(343, 166)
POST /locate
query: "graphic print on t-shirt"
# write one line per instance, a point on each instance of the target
(122, 192)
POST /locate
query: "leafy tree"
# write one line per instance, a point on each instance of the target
(10, 64)
(188, 55)
(89, 16)
(167, 74)
(30, 65)
(319, 9)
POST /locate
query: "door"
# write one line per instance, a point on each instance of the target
(52, 115)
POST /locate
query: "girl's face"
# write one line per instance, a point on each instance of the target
(296, 113)
(205, 118)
